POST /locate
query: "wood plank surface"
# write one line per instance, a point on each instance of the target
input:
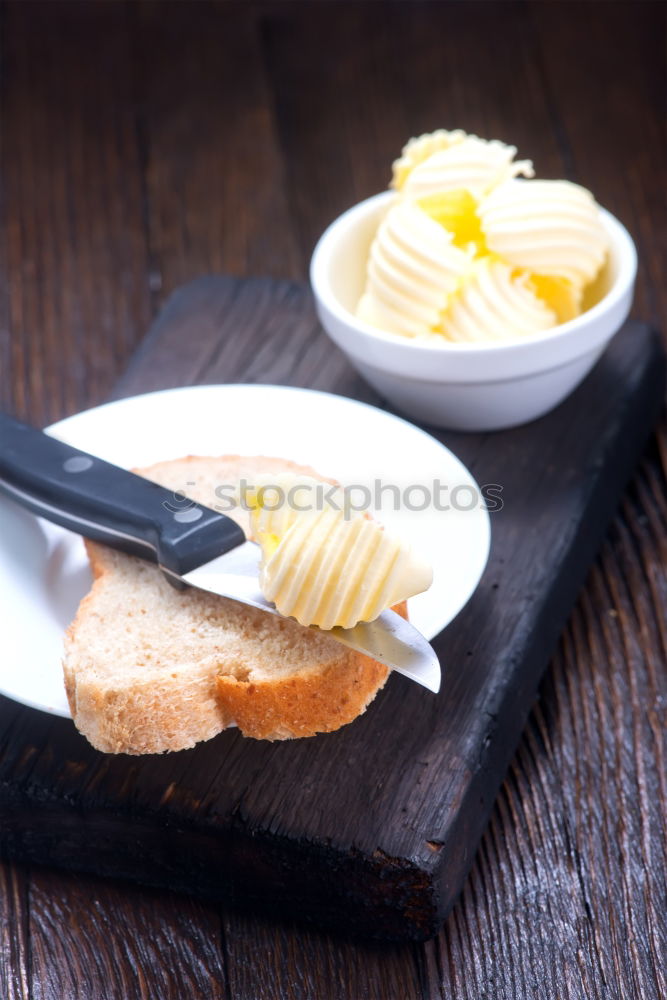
(215, 197)
(370, 829)
(568, 881)
(71, 179)
(167, 947)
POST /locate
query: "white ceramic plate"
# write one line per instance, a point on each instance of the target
(43, 568)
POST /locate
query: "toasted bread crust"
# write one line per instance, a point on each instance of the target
(304, 705)
(187, 707)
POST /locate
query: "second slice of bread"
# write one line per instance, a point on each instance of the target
(149, 668)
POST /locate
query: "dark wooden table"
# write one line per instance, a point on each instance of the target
(145, 144)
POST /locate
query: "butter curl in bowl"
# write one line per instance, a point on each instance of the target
(473, 295)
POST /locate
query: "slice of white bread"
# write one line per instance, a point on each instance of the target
(149, 668)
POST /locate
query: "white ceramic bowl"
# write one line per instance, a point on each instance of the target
(465, 386)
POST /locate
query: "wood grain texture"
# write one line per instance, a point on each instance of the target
(580, 87)
(14, 946)
(632, 99)
(71, 179)
(215, 197)
(338, 967)
(223, 327)
(578, 839)
(165, 946)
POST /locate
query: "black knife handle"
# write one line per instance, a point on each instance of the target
(103, 502)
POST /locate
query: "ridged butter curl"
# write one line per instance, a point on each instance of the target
(413, 269)
(495, 303)
(453, 161)
(419, 148)
(550, 227)
(328, 569)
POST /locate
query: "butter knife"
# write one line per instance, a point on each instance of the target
(193, 545)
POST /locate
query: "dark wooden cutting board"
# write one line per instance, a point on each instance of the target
(373, 828)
